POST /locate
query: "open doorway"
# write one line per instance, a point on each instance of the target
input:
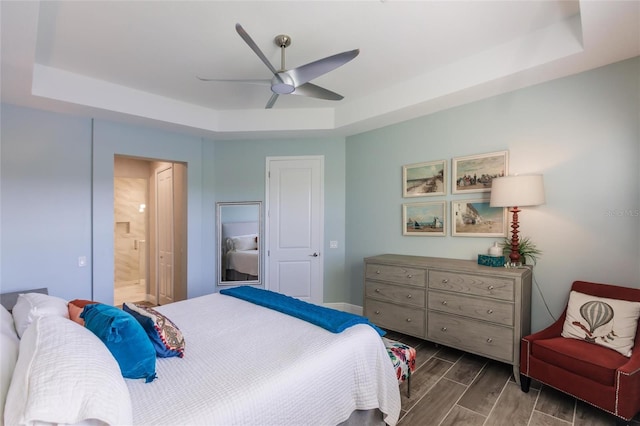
(150, 247)
(130, 239)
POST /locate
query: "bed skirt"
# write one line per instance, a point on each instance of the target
(364, 418)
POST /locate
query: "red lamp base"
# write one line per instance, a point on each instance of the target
(515, 242)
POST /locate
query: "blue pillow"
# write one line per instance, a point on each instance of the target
(125, 338)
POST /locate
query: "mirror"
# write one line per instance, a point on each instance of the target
(239, 242)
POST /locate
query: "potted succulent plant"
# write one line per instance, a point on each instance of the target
(527, 249)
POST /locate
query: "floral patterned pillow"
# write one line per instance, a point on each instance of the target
(608, 322)
(165, 336)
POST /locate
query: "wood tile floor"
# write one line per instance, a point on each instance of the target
(451, 387)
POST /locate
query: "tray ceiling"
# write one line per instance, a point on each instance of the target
(137, 61)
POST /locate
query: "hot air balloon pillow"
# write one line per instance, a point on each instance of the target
(608, 322)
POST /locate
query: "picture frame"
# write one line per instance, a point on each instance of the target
(474, 173)
(424, 219)
(424, 179)
(476, 218)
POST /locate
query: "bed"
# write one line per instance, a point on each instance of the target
(240, 253)
(243, 364)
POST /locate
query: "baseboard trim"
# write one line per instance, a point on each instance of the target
(345, 307)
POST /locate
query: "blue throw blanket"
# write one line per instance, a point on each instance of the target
(327, 318)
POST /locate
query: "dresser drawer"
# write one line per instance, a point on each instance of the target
(484, 309)
(480, 285)
(399, 318)
(481, 338)
(394, 293)
(397, 274)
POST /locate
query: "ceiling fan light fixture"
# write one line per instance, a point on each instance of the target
(282, 84)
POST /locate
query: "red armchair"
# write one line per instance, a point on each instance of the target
(592, 373)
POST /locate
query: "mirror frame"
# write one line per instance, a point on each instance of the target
(219, 263)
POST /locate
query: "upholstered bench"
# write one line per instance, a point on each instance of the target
(403, 358)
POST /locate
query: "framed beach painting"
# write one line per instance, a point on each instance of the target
(424, 219)
(474, 173)
(476, 218)
(424, 179)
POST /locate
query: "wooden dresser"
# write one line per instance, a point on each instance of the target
(457, 303)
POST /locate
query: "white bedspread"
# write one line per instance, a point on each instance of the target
(249, 365)
(245, 261)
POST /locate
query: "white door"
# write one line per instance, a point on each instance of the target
(295, 226)
(164, 224)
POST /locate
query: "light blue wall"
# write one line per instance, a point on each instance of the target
(45, 202)
(582, 133)
(239, 175)
(110, 139)
(57, 200)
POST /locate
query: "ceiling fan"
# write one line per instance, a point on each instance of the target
(294, 81)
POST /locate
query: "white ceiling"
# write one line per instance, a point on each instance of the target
(137, 61)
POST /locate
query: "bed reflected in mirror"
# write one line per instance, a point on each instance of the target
(239, 242)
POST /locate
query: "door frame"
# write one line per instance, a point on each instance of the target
(159, 229)
(267, 246)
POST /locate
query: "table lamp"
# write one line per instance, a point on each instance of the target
(514, 192)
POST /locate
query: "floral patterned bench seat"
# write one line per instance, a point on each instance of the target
(403, 358)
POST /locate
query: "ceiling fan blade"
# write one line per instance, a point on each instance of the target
(247, 39)
(272, 100)
(308, 72)
(311, 90)
(244, 81)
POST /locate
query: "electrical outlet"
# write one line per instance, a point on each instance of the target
(333, 244)
(82, 261)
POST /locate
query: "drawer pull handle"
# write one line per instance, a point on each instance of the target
(444, 302)
(445, 281)
(490, 287)
(409, 276)
(408, 319)
(377, 290)
(409, 296)
(378, 271)
(444, 329)
(489, 311)
(489, 340)
(377, 312)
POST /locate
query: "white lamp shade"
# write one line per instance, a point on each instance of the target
(517, 191)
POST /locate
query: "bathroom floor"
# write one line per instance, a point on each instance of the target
(133, 291)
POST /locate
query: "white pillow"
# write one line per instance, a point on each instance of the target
(245, 242)
(9, 344)
(65, 375)
(608, 322)
(29, 306)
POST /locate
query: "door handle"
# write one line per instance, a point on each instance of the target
(316, 254)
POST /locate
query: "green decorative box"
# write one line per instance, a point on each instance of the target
(495, 261)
